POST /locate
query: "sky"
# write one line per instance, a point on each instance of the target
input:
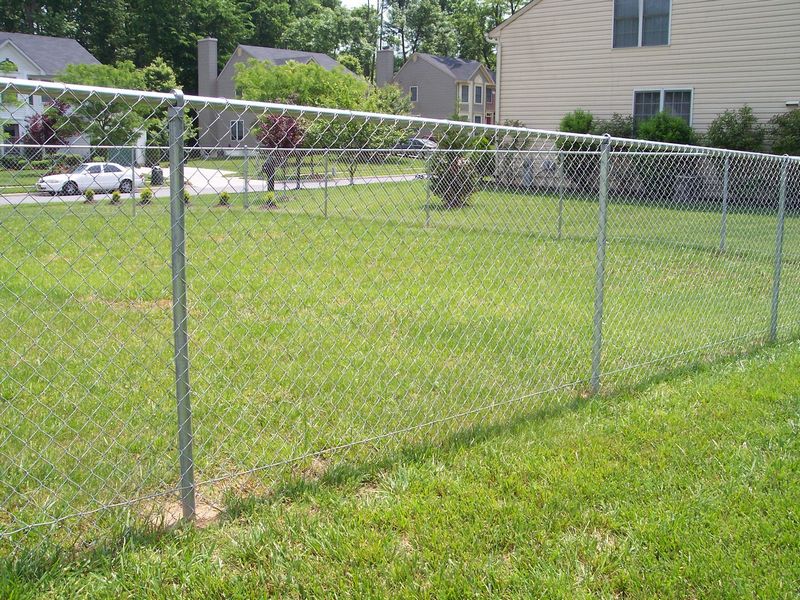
(354, 3)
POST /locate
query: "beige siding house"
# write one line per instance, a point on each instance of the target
(442, 86)
(694, 58)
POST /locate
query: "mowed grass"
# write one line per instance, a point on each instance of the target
(684, 488)
(309, 333)
(19, 180)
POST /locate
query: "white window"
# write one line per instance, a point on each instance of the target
(641, 23)
(414, 93)
(489, 95)
(648, 103)
(237, 131)
(478, 94)
(464, 93)
(477, 118)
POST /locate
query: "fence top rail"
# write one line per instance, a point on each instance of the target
(178, 99)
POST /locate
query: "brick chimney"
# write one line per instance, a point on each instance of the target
(207, 86)
(207, 67)
(384, 66)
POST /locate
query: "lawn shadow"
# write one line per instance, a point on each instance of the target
(32, 565)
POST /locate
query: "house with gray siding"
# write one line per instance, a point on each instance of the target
(231, 129)
(691, 58)
(441, 86)
(40, 57)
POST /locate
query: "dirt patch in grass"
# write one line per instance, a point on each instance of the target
(168, 513)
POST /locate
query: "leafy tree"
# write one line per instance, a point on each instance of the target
(158, 76)
(280, 134)
(321, 31)
(421, 25)
(362, 37)
(736, 130)
(105, 122)
(269, 20)
(660, 173)
(667, 128)
(117, 123)
(351, 63)
(458, 164)
(578, 165)
(785, 133)
(387, 99)
(578, 121)
(50, 127)
(618, 126)
(471, 19)
(308, 84)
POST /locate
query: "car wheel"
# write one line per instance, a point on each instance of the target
(70, 189)
(125, 186)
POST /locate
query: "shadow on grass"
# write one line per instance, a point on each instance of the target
(347, 475)
(32, 565)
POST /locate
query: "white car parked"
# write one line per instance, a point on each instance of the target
(97, 176)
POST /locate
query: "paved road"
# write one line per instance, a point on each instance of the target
(210, 181)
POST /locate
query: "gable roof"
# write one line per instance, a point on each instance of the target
(279, 56)
(493, 33)
(51, 54)
(455, 67)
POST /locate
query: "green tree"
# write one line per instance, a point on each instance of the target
(158, 76)
(736, 130)
(317, 32)
(269, 18)
(105, 122)
(350, 62)
(453, 170)
(421, 25)
(308, 84)
(784, 132)
(668, 128)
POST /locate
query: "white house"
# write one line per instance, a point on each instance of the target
(27, 56)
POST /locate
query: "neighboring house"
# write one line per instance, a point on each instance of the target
(41, 57)
(441, 86)
(231, 129)
(692, 58)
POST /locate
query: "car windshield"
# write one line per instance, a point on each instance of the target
(81, 168)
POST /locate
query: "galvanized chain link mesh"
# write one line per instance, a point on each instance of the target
(353, 282)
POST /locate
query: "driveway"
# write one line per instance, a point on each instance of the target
(200, 181)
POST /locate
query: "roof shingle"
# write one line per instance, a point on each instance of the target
(52, 54)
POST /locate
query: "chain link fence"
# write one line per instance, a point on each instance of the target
(205, 298)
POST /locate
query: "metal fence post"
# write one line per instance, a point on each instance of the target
(726, 175)
(325, 185)
(133, 182)
(179, 307)
(776, 281)
(600, 272)
(560, 167)
(245, 198)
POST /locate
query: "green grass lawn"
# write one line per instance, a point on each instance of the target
(309, 333)
(684, 488)
(22, 180)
